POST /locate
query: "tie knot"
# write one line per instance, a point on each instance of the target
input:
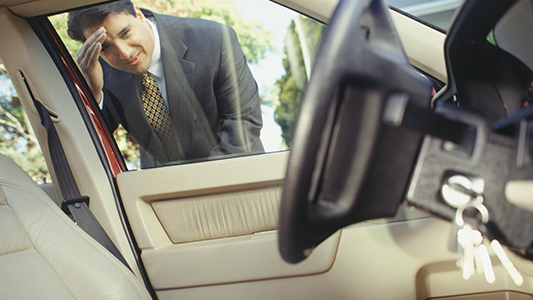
(147, 78)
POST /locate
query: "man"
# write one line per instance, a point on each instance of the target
(133, 60)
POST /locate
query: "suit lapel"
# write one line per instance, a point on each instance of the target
(179, 79)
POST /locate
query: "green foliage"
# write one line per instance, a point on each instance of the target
(128, 147)
(290, 92)
(312, 31)
(287, 110)
(29, 158)
(269, 95)
(60, 24)
(17, 141)
(255, 40)
(297, 62)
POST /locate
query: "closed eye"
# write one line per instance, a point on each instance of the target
(105, 47)
(124, 33)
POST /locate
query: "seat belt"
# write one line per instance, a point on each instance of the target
(74, 204)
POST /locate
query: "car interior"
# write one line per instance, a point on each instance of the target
(408, 135)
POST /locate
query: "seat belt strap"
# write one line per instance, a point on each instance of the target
(74, 204)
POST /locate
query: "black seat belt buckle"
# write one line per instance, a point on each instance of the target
(76, 201)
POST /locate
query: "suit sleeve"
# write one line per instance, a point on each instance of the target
(238, 101)
(109, 113)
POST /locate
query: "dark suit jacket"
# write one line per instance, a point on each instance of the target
(213, 98)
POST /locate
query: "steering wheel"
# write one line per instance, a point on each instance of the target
(351, 160)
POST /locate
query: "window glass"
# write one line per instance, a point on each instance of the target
(438, 13)
(17, 140)
(279, 46)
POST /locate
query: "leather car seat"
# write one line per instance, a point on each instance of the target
(44, 255)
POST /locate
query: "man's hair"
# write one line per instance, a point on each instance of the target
(80, 20)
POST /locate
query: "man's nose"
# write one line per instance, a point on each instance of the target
(123, 51)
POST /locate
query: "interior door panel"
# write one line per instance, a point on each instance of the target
(213, 223)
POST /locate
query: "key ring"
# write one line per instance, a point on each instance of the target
(475, 204)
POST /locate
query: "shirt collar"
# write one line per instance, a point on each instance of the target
(156, 65)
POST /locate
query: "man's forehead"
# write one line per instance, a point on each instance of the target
(109, 19)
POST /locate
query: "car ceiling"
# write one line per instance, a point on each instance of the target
(33, 8)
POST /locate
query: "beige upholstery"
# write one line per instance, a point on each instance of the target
(44, 255)
(218, 216)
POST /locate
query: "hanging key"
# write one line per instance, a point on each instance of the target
(506, 262)
(486, 263)
(467, 255)
(473, 254)
(459, 239)
(455, 241)
(483, 263)
(504, 259)
(477, 238)
(477, 260)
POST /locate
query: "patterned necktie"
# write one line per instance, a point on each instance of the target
(158, 115)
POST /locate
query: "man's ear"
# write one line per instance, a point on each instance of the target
(138, 13)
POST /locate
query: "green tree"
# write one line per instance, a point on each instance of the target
(17, 140)
(301, 44)
(60, 24)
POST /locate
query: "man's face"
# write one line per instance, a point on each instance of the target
(129, 42)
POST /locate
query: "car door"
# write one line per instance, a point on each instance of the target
(213, 223)
(208, 229)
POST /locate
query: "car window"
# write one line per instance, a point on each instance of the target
(279, 46)
(438, 13)
(17, 140)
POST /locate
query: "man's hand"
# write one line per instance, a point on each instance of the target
(90, 67)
